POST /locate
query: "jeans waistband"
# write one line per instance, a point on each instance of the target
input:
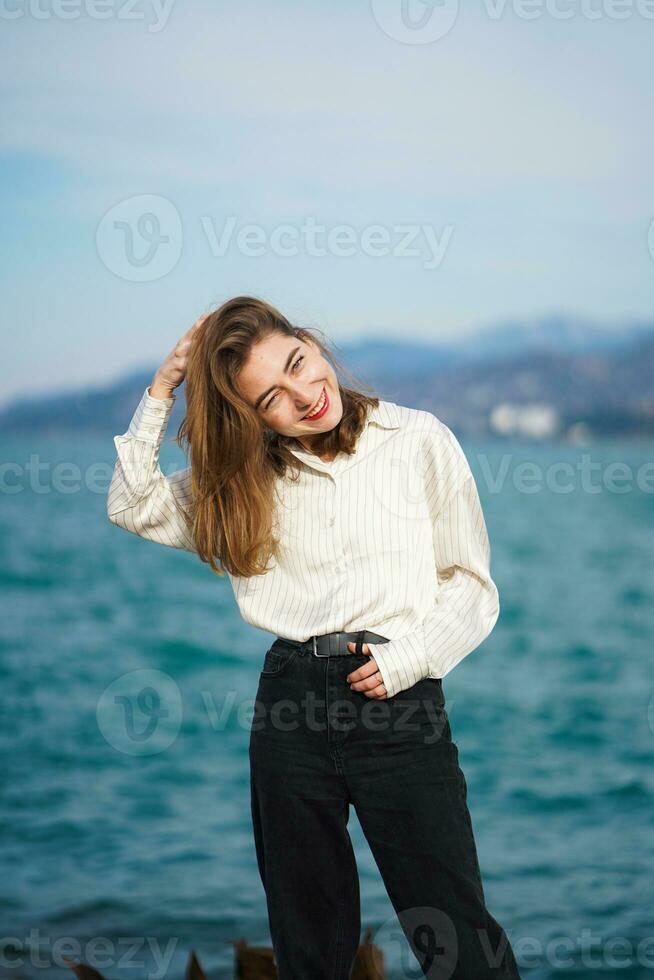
(335, 644)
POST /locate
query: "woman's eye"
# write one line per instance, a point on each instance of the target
(300, 358)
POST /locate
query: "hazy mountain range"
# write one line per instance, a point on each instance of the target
(552, 377)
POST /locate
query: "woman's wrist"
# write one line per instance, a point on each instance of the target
(159, 389)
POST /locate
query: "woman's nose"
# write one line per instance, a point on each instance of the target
(304, 398)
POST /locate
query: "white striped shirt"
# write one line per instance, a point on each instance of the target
(391, 539)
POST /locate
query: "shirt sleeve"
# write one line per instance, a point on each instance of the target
(141, 499)
(466, 602)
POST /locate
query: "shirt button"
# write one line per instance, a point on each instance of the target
(331, 521)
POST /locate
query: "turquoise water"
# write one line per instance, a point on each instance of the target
(145, 841)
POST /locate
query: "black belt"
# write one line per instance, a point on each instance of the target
(335, 644)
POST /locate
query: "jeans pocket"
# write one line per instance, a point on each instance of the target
(277, 659)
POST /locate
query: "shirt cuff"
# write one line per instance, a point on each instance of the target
(402, 662)
(151, 418)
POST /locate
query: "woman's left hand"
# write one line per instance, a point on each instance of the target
(366, 679)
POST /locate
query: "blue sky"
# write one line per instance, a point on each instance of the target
(510, 157)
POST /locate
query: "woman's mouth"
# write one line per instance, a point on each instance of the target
(320, 409)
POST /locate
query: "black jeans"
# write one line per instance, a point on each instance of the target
(316, 746)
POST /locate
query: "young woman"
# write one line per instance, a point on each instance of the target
(351, 529)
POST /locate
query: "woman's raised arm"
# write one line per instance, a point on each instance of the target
(141, 499)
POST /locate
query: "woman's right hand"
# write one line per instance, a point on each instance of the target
(173, 370)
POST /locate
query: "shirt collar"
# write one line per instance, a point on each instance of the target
(385, 414)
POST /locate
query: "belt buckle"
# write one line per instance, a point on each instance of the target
(315, 649)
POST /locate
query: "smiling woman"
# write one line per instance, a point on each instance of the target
(351, 528)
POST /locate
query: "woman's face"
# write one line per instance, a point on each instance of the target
(284, 379)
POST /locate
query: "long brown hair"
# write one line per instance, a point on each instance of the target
(235, 458)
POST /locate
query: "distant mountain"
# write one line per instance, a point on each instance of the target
(557, 333)
(603, 393)
(552, 377)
